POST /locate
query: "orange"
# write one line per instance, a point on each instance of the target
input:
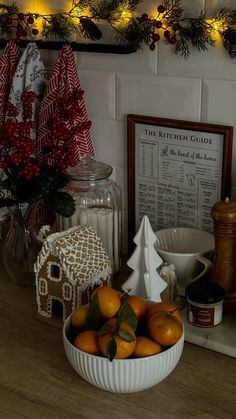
(138, 305)
(87, 341)
(111, 323)
(146, 347)
(123, 348)
(164, 307)
(109, 301)
(79, 316)
(164, 328)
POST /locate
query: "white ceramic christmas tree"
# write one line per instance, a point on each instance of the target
(145, 280)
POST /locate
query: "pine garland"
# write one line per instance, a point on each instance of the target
(170, 24)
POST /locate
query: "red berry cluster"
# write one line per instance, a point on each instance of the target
(20, 25)
(70, 107)
(59, 149)
(28, 98)
(169, 30)
(16, 147)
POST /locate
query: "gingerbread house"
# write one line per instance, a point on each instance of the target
(70, 264)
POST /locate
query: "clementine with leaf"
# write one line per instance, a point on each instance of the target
(163, 307)
(138, 305)
(119, 344)
(108, 300)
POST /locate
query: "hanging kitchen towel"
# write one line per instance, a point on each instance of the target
(30, 75)
(8, 63)
(64, 81)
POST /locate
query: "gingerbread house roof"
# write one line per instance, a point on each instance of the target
(80, 252)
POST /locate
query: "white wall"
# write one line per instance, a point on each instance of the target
(157, 83)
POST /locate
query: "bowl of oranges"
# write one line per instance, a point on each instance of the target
(123, 343)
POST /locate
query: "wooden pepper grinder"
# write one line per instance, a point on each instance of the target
(224, 264)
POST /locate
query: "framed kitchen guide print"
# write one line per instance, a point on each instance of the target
(177, 170)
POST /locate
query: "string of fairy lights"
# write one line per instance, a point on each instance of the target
(168, 23)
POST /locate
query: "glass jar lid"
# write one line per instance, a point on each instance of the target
(90, 169)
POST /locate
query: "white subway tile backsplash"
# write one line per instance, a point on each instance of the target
(212, 6)
(52, 4)
(219, 102)
(121, 172)
(143, 61)
(113, 175)
(213, 63)
(193, 8)
(99, 95)
(109, 140)
(49, 59)
(171, 97)
(219, 107)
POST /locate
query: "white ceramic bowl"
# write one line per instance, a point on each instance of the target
(122, 375)
(185, 240)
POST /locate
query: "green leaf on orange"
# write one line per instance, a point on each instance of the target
(105, 329)
(125, 335)
(111, 349)
(126, 314)
(94, 315)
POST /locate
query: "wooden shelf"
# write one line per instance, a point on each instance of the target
(76, 46)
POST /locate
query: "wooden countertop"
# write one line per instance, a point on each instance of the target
(37, 381)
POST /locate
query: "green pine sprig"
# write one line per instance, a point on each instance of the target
(229, 42)
(197, 34)
(59, 25)
(226, 16)
(173, 10)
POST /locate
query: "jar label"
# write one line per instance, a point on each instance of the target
(200, 316)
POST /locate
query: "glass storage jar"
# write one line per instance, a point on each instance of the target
(98, 203)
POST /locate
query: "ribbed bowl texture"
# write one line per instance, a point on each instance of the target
(122, 375)
(184, 240)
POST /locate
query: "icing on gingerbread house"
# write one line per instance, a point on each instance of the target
(70, 264)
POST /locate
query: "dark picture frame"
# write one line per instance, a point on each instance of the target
(162, 155)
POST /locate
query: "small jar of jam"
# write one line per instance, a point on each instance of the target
(204, 303)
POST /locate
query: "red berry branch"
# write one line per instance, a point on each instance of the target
(160, 26)
(20, 25)
(33, 174)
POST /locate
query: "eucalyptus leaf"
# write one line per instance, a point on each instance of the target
(94, 316)
(112, 349)
(126, 314)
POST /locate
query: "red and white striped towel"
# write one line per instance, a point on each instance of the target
(8, 63)
(64, 80)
